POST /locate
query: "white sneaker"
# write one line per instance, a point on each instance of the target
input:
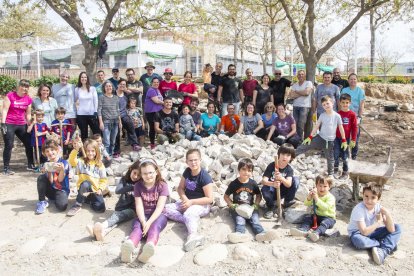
(147, 252)
(193, 241)
(238, 237)
(313, 236)
(127, 251)
(267, 236)
(298, 232)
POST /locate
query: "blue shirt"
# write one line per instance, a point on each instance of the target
(210, 124)
(64, 185)
(268, 123)
(357, 95)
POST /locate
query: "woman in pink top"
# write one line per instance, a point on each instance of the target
(188, 88)
(16, 115)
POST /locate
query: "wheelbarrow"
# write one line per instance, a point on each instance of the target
(177, 98)
(364, 172)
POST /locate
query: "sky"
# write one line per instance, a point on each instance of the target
(396, 36)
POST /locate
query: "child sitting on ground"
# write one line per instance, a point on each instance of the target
(244, 189)
(323, 203)
(328, 122)
(92, 176)
(282, 178)
(54, 183)
(371, 225)
(66, 128)
(124, 208)
(106, 158)
(196, 195)
(151, 192)
(38, 130)
(187, 125)
(349, 122)
(136, 117)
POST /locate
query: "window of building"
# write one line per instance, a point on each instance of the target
(194, 65)
(120, 61)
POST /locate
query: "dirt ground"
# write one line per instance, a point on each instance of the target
(52, 243)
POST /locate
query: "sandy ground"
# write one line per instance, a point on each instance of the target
(53, 243)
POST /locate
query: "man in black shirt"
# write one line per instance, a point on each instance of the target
(278, 85)
(216, 77)
(167, 124)
(230, 91)
(337, 80)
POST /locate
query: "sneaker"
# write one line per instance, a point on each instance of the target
(136, 148)
(313, 236)
(267, 236)
(269, 213)
(238, 237)
(41, 207)
(298, 232)
(336, 170)
(152, 146)
(74, 210)
(193, 241)
(7, 171)
(31, 167)
(98, 231)
(116, 155)
(89, 229)
(378, 255)
(147, 252)
(288, 204)
(127, 251)
(353, 157)
(344, 176)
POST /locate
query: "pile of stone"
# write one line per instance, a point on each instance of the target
(220, 156)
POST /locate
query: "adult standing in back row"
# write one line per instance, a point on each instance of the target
(279, 85)
(64, 94)
(147, 78)
(325, 89)
(301, 93)
(230, 91)
(249, 85)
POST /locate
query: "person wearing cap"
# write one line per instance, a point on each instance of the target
(146, 78)
(134, 87)
(279, 85)
(17, 107)
(167, 83)
(115, 78)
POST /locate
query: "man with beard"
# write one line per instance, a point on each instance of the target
(338, 81)
(167, 83)
(167, 124)
(230, 91)
(278, 85)
(115, 78)
(134, 87)
(146, 78)
(195, 113)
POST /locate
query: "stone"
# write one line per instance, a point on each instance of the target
(120, 169)
(296, 214)
(302, 192)
(310, 252)
(212, 254)
(219, 200)
(109, 171)
(32, 246)
(226, 158)
(166, 255)
(245, 210)
(216, 167)
(134, 155)
(241, 151)
(279, 252)
(244, 253)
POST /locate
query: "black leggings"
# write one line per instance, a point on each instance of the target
(84, 121)
(151, 122)
(24, 137)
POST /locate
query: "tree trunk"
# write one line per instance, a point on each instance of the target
(273, 45)
(19, 62)
(372, 29)
(264, 63)
(91, 57)
(242, 59)
(310, 63)
(235, 43)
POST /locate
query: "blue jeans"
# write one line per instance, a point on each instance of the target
(241, 222)
(324, 223)
(340, 153)
(269, 193)
(354, 151)
(97, 201)
(381, 238)
(109, 134)
(300, 114)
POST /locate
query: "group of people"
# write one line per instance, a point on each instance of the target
(134, 106)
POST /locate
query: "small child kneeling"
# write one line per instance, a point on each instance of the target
(244, 190)
(323, 205)
(371, 226)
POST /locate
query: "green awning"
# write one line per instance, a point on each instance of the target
(300, 66)
(61, 59)
(160, 56)
(325, 68)
(123, 52)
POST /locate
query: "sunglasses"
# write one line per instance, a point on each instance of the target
(168, 74)
(278, 74)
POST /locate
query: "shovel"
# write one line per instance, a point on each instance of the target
(278, 200)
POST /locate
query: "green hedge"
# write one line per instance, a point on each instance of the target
(7, 84)
(49, 80)
(400, 79)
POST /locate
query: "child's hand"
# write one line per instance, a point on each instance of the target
(233, 206)
(186, 203)
(146, 227)
(108, 158)
(384, 211)
(278, 176)
(99, 192)
(67, 142)
(59, 167)
(276, 184)
(379, 218)
(352, 144)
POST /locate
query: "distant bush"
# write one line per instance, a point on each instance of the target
(7, 84)
(400, 79)
(49, 80)
(369, 79)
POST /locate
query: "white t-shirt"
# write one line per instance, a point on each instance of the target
(361, 213)
(303, 101)
(329, 124)
(87, 102)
